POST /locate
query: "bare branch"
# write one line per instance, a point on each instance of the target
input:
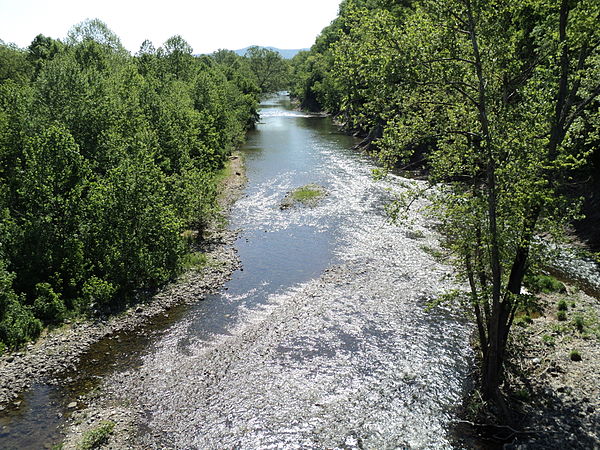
(449, 59)
(581, 107)
(465, 94)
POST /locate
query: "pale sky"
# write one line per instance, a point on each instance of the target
(206, 25)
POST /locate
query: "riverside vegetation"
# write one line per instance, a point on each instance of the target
(498, 101)
(109, 161)
(108, 167)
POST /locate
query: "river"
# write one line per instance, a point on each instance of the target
(323, 338)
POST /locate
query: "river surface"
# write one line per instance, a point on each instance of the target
(323, 338)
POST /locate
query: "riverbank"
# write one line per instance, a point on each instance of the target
(60, 351)
(556, 372)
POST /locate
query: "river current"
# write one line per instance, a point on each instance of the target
(323, 338)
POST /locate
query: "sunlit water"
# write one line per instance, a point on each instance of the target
(323, 340)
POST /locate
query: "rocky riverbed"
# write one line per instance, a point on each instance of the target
(556, 373)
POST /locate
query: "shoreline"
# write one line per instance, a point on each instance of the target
(60, 350)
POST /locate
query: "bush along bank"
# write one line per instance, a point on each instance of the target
(58, 354)
(108, 169)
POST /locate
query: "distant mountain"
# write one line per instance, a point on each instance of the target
(285, 53)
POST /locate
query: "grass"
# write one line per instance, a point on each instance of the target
(559, 328)
(561, 316)
(548, 340)
(224, 173)
(96, 436)
(195, 261)
(306, 193)
(544, 283)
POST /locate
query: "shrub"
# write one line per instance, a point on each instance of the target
(561, 315)
(575, 355)
(194, 260)
(524, 320)
(544, 283)
(48, 306)
(19, 325)
(17, 322)
(562, 305)
(579, 322)
(96, 292)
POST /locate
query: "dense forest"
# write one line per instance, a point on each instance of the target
(499, 103)
(107, 162)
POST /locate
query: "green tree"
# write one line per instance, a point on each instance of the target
(97, 31)
(42, 49)
(14, 64)
(502, 90)
(178, 57)
(50, 198)
(105, 160)
(17, 323)
(269, 68)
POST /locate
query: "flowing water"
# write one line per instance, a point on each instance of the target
(323, 339)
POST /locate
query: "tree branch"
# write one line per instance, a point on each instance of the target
(581, 107)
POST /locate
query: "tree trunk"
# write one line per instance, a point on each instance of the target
(492, 366)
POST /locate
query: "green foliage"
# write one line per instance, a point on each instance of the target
(17, 322)
(14, 64)
(561, 316)
(95, 292)
(579, 322)
(41, 50)
(105, 159)
(97, 436)
(269, 68)
(523, 320)
(548, 340)
(48, 306)
(562, 305)
(501, 102)
(195, 260)
(543, 283)
(574, 355)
